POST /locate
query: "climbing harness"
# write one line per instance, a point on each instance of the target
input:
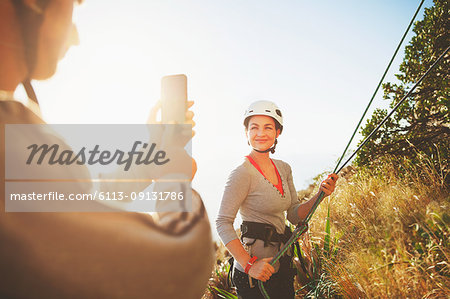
(263, 231)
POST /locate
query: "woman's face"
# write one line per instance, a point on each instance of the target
(261, 132)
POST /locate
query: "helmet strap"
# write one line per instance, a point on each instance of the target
(271, 149)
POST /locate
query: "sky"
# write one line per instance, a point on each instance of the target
(319, 61)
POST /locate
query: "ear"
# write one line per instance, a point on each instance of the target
(278, 133)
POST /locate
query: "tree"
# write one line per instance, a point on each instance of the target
(422, 122)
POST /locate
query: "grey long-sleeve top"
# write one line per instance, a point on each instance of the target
(257, 200)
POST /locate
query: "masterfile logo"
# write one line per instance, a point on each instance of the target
(53, 155)
(97, 168)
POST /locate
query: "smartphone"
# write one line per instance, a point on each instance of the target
(174, 98)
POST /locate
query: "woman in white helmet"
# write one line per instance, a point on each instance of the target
(262, 189)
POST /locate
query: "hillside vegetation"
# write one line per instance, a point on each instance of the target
(387, 236)
(389, 232)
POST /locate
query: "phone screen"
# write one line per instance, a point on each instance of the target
(174, 98)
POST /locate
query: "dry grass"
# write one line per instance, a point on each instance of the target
(389, 235)
(394, 225)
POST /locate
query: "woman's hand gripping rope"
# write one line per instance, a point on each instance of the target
(328, 185)
(262, 270)
(326, 188)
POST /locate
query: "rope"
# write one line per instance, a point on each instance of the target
(302, 227)
(379, 84)
(395, 108)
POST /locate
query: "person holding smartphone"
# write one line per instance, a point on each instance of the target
(84, 255)
(262, 189)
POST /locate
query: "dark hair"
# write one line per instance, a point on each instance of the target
(277, 124)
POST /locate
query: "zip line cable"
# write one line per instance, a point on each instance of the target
(379, 84)
(303, 226)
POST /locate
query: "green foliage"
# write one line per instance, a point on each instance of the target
(223, 293)
(326, 245)
(324, 287)
(324, 278)
(218, 284)
(422, 122)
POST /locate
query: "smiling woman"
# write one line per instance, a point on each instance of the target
(262, 132)
(267, 117)
(262, 189)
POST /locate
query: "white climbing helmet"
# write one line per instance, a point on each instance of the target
(267, 108)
